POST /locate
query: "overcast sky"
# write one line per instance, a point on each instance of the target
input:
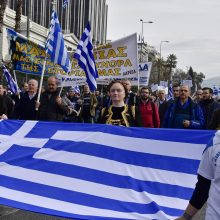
(191, 26)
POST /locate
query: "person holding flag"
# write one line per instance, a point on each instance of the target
(55, 47)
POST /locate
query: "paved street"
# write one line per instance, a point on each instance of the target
(23, 215)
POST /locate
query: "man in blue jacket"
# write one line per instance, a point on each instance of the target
(183, 113)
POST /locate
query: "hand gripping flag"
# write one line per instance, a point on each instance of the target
(84, 171)
(55, 45)
(65, 3)
(85, 57)
(11, 83)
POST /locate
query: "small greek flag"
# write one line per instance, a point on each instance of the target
(55, 45)
(170, 92)
(11, 83)
(76, 89)
(85, 57)
(65, 3)
(215, 90)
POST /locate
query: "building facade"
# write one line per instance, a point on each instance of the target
(73, 18)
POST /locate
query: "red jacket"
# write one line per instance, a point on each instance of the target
(147, 115)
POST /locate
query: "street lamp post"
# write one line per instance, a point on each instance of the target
(161, 42)
(142, 36)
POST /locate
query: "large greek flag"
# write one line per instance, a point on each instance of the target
(92, 171)
(85, 57)
(55, 45)
(11, 83)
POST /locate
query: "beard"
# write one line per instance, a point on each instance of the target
(144, 98)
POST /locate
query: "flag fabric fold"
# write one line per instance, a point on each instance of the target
(55, 45)
(170, 92)
(215, 90)
(10, 81)
(65, 3)
(69, 171)
(84, 55)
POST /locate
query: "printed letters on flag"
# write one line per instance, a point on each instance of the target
(85, 57)
(55, 45)
(85, 171)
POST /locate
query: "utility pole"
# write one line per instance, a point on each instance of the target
(54, 5)
(160, 67)
(142, 36)
(28, 19)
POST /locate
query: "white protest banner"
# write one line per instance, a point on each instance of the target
(154, 87)
(144, 74)
(187, 82)
(117, 59)
(68, 81)
(164, 83)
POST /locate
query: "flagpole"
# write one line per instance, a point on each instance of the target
(41, 80)
(44, 64)
(62, 82)
(16, 82)
(138, 80)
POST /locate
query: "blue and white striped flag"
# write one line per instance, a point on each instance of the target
(65, 3)
(215, 90)
(170, 92)
(55, 45)
(70, 171)
(76, 89)
(85, 57)
(11, 83)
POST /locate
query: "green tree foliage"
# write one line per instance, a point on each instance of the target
(170, 64)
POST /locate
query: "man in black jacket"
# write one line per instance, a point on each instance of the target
(208, 105)
(6, 104)
(51, 106)
(25, 109)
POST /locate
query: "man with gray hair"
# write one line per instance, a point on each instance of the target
(183, 112)
(25, 109)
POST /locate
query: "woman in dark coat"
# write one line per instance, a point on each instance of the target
(118, 113)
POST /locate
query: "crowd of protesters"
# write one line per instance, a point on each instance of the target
(119, 106)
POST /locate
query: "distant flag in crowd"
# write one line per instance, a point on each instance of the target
(170, 92)
(11, 83)
(215, 90)
(85, 57)
(65, 3)
(76, 89)
(55, 45)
